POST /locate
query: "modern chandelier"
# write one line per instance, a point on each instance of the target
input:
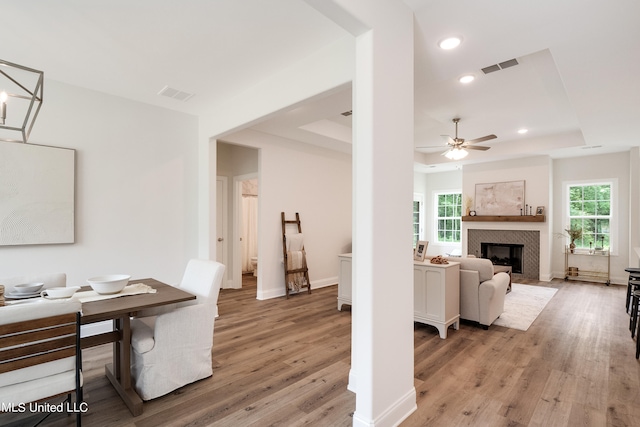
(21, 91)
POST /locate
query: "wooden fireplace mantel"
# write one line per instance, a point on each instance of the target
(505, 218)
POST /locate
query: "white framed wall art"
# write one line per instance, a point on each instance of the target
(37, 194)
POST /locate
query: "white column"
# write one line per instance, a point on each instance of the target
(382, 314)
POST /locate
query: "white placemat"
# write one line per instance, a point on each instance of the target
(133, 289)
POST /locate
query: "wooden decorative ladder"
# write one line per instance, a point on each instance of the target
(288, 272)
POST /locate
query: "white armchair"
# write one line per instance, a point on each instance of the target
(173, 349)
(40, 354)
(482, 292)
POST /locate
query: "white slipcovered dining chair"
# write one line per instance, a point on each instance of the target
(40, 354)
(173, 348)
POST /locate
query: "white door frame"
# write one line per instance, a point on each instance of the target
(222, 209)
(237, 235)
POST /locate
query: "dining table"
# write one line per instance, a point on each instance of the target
(120, 310)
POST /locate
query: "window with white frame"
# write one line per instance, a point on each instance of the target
(448, 217)
(418, 217)
(590, 207)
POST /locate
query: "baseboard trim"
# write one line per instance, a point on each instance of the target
(392, 416)
(323, 283)
(352, 386)
(546, 277)
(280, 292)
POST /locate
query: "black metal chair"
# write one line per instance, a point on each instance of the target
(633, 283)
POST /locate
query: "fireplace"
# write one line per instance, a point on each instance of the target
(529, 240)
(504, 254)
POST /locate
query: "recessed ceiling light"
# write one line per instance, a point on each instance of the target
(450, 43)
(523, 131)
(467, 78)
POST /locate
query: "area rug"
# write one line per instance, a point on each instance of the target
(523, 305)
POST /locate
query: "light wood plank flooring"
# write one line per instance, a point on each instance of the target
(286, 362)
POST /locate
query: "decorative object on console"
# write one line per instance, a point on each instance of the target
(439, 260)
(500, 198)
(574, 234)
(20, 100)
(421, 250)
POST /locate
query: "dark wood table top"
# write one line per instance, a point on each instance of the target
(96, 311)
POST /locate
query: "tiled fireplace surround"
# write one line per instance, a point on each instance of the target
(529, 238)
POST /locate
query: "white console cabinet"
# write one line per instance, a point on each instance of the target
(436, 292)
(344, 280)
(436, 295)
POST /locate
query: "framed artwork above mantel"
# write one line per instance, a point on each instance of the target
(500, 199)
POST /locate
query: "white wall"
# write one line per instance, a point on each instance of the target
(536, 172)
(136, 181)
(317, 75)
(604, 166)
(312, 181)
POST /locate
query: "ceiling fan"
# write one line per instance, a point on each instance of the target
(458, 146)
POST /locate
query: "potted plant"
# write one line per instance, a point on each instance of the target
(574, 234)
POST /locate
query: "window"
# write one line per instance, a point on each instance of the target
(417, 217)
(590, 210)
(448, 217)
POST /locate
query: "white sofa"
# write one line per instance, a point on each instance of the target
(482, 292)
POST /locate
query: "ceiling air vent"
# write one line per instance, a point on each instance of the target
(175, 94)
(507, 64)
(490, 69)
(500, 66)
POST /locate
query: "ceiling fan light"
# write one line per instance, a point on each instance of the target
(450, 43)
(467, 78)
(456, 153)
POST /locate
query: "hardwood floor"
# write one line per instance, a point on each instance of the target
(286, 362)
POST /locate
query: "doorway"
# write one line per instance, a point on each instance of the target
(247, 198)
(237, 163)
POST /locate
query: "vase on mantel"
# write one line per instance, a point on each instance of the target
(572, 246)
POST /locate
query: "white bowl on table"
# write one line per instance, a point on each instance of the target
(28, 288)
(109, 284)
(59, 292)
